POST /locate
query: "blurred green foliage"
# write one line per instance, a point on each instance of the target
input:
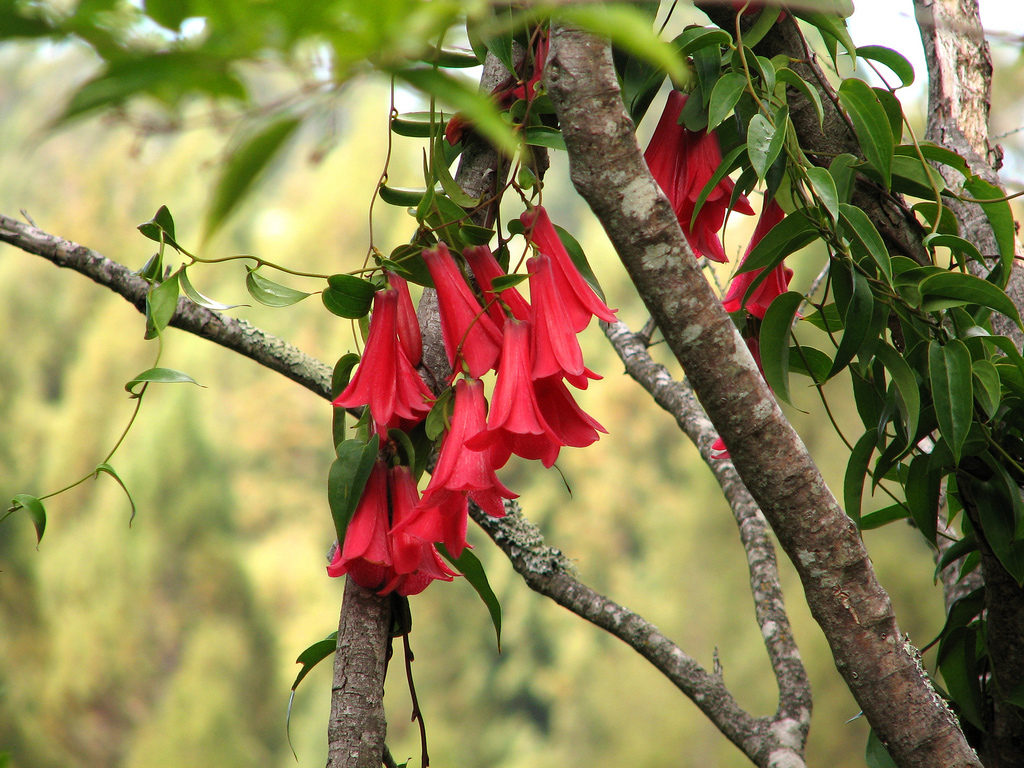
(171, 642)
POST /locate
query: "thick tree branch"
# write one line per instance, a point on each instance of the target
(677, 399)
(880, 667)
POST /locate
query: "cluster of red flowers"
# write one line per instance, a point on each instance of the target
(390, 541)
(682, 162)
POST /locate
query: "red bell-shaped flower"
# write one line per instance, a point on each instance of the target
(416, 562)
(385, 380)
(364, 554)
(470, 335)
(486, 270)
(580, 301)
(682, 162)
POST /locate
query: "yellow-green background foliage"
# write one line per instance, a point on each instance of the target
(171, 642)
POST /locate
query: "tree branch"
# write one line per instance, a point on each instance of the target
(678, 399)
(880, 667)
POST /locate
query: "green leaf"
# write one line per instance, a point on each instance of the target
(958, 663)
(987, 392)
(444, 175)
(883, 516)
(579, 259)
(893, 111)
(859, 228)
(475, 235)
(922, 489)
(470, 567)
(958, 245)
(313, 655)
(34, 509)
(197, 298)
(418, 125)
(765, 21)
(911, 177)
(729, 162)
(789, 77)
(161, 303)
(1000, 218)
(340, 377)
(347, 479)
(477, 107)
(871, 124)
(774, 341)
(760, 133)
(502, 282)
(949, 371)
(947, 219)
(843, 174)
(403, 197)
(439, 417)
(348, 296)
(109, 470)
(875, 754)
(269, 293)
(857, 323)
(789, 235)
(809, 362)
(161, 229)
(724, 95)
(952, 289)
(697, 38)
(825, 188)
(830, 26)
(890, 58)
(908, 393)
(543, 136)
(244, 168)
(856, 471)
(158, 376)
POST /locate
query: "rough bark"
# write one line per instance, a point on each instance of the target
(959, 97)
(356, 730)
(880, 667)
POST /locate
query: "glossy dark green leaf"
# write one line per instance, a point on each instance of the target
(419, 125)
(444, 175)
(470, 567)
(403, 197)
(958, 663)
(197, 298)
(843, 170)
(987, 391)
(856, 472)
(911, 177)
(348, 296)
(791, 78)
(882, 516)
(107, 469)
(347, 478)
(269, 293)
(857, 226)
(579, 259)
(907, 390)
(952, 289)
(949, 373)
(731, 161)
(698, 38)
(340, 378)
(956, 244)
(922, 489)
(724, 95)
(245, 166)
(439, 418)
(161, 304)
(809, 362)
(947, 219)
(825, 189)
(963, 611)
(502, 282)
(1000, 218)
(159, 376)
(871, 124)
(759, 139)
(894, 60)
(857, 323)
(830, 26)
(766, 18)
(774, 342)
(313, 655)
(543, 136)
(789, 235)
(893, 111)
(34, 509)
(408, 262)
(875, 753)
